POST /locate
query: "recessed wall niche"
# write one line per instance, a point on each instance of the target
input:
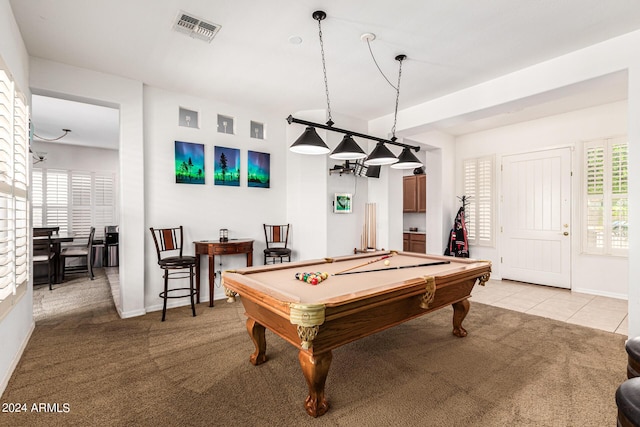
(187, 118)
(225, 124)
(257, 130)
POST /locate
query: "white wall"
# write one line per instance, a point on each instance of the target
(344, 230)
(590, 273)
(16, 327)
(307, 192)
(65, 156)
(204, 209)
(63, 81)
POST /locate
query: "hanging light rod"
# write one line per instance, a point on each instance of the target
(292, 119)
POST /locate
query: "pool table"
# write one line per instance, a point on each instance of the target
(361, 296)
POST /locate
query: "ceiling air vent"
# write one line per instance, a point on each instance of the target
(196, 27)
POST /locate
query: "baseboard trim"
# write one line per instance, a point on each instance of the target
(132, 313)
(16, 359)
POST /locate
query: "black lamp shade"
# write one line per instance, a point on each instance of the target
(348, 149)
(309, 143)
(380, 155)
(407, 160)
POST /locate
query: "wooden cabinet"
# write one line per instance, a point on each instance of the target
(414, 242)
(414, 190)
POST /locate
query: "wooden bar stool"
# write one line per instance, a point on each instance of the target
(169, 241)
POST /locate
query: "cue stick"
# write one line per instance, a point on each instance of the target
(394, 268)
(362, 265)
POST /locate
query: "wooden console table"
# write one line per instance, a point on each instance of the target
(216, 247)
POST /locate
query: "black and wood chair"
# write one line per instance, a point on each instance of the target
(277, 239)
(169, 244)
(74, 252)
(43, 255)
(45, 231)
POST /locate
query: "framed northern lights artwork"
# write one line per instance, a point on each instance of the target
(189, 163)
(258, 169)
(226, 166)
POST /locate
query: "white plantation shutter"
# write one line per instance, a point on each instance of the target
(594, 221)
(80, 203)
(104, 206)
(470, 168)
(21, 183)
(37, 198)
(57, 200)
(619, 197)
(605, 188)
(74, 200)
(14, 240)
(7, 260)
(478, 189)
(485, 201)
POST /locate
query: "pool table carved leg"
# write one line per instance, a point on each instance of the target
(315, 369)
(256, 332)
(460, 310)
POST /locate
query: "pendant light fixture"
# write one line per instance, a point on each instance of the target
(348, 149)
(407, 160)
(310, 142)
(380, 156)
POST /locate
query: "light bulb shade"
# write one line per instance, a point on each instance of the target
(309, 143)
(348, 149)
(380, 155)
(407, 160)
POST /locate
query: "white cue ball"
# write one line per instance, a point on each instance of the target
(386, 262)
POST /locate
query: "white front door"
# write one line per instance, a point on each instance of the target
(536, 209)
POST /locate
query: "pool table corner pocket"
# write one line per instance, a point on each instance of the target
(430, 292)
(307, 318)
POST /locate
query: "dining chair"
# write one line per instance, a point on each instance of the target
(43, 255)
(84, 252)
(277, 240)
(169, 244)
(45, 231)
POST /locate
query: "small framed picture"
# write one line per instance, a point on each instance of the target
(187, 118)
(257, 130)
(342, 203)
(225, 124)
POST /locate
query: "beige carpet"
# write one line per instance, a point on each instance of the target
(78, 293)
(513, 369)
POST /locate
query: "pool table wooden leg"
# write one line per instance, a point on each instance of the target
(256, 332)
(460, 310)
(315, 369)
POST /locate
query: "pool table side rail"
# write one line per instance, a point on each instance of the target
(359, 317)
(364, 257)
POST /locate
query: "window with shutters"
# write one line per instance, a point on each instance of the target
(479, 191)
(605, 212)
(14, 184)
(73, 200)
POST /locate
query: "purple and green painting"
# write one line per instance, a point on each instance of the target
(189, 163)
(226, 166)
(258, 169)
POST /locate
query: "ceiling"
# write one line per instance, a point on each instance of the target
(450, 45)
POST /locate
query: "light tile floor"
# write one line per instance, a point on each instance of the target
(608, 314)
